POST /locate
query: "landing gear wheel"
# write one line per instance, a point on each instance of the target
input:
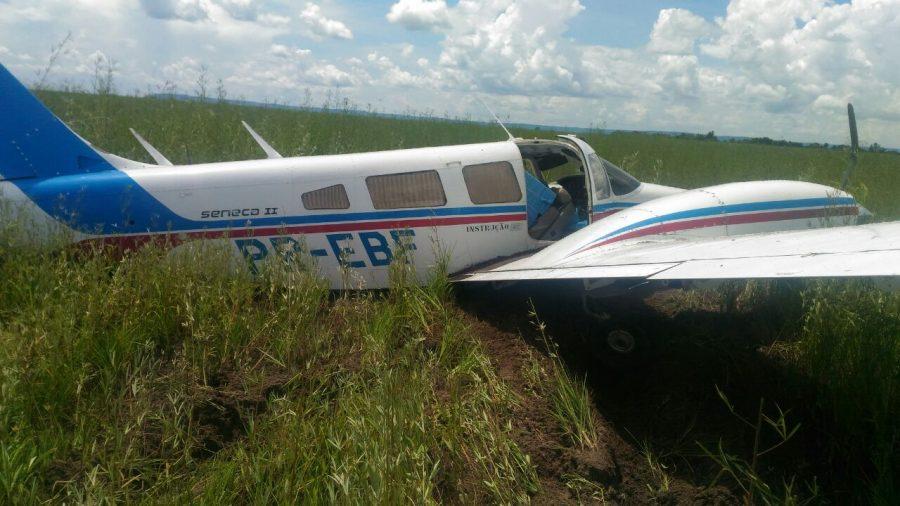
(621, 344)
(621, 341)
(620, 336)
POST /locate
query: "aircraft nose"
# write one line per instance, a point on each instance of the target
(864, 215)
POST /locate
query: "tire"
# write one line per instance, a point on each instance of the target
(621, 344)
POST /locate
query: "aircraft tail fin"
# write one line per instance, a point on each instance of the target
(36, 144)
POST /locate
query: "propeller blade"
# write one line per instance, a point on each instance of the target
(854, 148)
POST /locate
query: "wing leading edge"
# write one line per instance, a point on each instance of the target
(850, 251)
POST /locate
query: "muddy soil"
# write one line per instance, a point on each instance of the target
(615, 464)
(659, 405)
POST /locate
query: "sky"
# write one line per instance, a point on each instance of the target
(776, 68)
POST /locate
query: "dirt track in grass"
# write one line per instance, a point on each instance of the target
(653, 411)
(616, 464)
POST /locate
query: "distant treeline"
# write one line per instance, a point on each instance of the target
(711, 136)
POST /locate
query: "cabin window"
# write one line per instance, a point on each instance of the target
(331, 197)
(622, 182)
(491, 183)
(409, 189)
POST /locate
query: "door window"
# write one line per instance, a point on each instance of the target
(601, 183)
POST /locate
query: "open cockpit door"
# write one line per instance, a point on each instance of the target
(612, 189)
(599, 194)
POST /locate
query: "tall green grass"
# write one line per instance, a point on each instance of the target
(153, 378)
(570, 400)
(195, 132)
(850, 345)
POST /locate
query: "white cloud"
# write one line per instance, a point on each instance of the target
(777, 57)
(750, 25)
(320, 26)
(420, 14)
(185, 10)
(328, 75)
(391, 74)
(773, 68)
(270, 19)
(374, 57)
(800, 54)
(512, 46)
(678, 73)
(282, 51)
(245, 10)
(26, 13)
(766, 92)
(617, 73)
(676, 31)
(183, 71)
(291, 70)
(197, 10)
(830, 103)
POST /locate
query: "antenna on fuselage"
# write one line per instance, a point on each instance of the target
(854, 148)
(153, 152)
(496, 119)
(270, 151)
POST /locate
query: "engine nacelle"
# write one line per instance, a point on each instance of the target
(716, 211)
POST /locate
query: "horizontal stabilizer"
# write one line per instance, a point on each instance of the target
(270, 151)
(153, 152)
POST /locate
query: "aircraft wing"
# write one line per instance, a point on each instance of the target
(849, 251)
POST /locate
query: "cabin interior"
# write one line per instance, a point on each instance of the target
(556, 187)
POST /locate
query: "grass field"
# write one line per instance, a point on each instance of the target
(143, 380)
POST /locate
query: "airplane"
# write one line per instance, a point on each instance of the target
(500, 212)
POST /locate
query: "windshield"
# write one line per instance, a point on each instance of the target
(622, 182)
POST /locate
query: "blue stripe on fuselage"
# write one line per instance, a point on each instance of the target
(771, 205)
(612, 205)
(107, 202)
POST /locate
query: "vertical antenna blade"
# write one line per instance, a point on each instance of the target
(153, 152)
(270, 151)
(854, 147)
(496, 119)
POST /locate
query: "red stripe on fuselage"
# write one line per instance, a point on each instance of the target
(731, 219)
(176, 238)
(604, 214)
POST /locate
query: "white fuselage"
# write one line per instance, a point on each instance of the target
(353, 215)
(262, 209)
(256, 206)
